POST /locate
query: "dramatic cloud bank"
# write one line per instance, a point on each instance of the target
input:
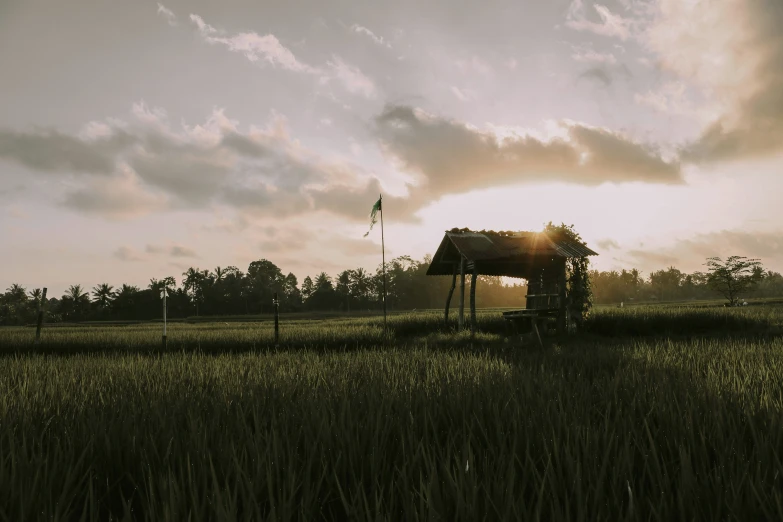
(452, 157)
(733, 51)
(126, 169)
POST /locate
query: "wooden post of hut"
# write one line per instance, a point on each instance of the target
(473, 277)
(561, 301)
(451, 292)
(462, 292)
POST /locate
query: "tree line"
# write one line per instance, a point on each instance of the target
(229, 291)
(671, 284)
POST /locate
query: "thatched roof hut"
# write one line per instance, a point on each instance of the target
(538, 257)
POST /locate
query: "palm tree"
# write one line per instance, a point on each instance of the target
(103, 295)
(74, 302)
(219, 273)
(360, 284)
(323, 282)
(343, 288)
(16, 293)
(35, 295)
(156, 285)
(194, 284)
(123, 300)
(127, 290)
(76, 294)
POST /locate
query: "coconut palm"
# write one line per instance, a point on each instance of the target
(124, 299)
(127, 290)
(194, 283)
(156, 285)
(218, 273)
(343, 288)
(76, 293)
(323, 282)
(103, 295)
(360, 283)
(35, 295)
(74, 302)
(16, 293)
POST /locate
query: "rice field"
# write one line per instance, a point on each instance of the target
(652, 413)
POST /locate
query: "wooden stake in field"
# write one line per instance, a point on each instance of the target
(378, 207)
(41, 305)
(163, 295)
(276, 304)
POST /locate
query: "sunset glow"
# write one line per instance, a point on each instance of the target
(140, 139)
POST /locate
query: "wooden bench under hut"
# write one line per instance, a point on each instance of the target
(533, 256)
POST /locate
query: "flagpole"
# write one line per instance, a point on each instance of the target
(383, 259)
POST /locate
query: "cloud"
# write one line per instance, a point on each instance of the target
(598, 74)
(125, 253)
(604, 74)
(147, 165)
(50, 150)
(377, 39)
(691, 253)
(17, 212)
(255, 47)
(287, 238)
(117, 197)
(610, 24)
(355, 202)
(173, 250)
(463, 96)
(10, 191)
(648, 259)
(167, 13)
(204, 28)
(474, 65)
(607, 244)
(669, 98)
(181, 251)
(351, 77)
(765, 245)
(355, 247)
(451, 157)
(586, 54)
(733, 53)
(268, 49)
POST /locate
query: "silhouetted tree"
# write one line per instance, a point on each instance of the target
(734, 276)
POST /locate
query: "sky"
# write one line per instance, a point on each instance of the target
(138, 139)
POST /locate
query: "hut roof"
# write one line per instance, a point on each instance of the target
(502, 253)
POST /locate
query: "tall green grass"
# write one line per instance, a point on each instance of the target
(355, 332)
(635, 421)
(633, 430)
(683, 320)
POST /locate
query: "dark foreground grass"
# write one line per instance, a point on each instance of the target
(617, 430)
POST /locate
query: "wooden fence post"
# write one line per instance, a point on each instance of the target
(41, 305)
(276, 304)
(163, 293)
(462, 293)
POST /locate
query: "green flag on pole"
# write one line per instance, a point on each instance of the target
(373, 215)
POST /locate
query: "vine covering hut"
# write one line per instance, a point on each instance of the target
(537, 257)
